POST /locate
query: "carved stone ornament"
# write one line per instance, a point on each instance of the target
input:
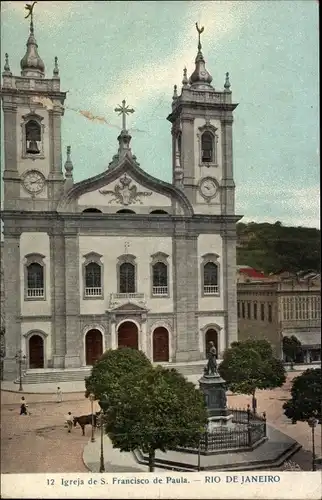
(124, 193)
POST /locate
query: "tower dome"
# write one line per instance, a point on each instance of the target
(31, 64)
(200, 78)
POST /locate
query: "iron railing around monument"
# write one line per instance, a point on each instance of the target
(248, 429)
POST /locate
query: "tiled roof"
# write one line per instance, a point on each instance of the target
(251, 273)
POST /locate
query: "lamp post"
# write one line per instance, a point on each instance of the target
(102, 466)
(313, 423)
(20, 359)
(92, 399)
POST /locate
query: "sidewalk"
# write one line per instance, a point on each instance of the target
(114, 459)
(66, 387)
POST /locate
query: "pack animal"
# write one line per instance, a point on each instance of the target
(85, 420)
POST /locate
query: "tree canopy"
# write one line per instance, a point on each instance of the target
(250, 365)
(161, 410)
(291, 347)
(110, 369)
(274, 247)
(306, 397)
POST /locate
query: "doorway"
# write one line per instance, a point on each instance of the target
(127, 335)
(160, 344)
(93, 346)
(36, 352)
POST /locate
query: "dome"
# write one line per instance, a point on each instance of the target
(200, 76)
(31, 64)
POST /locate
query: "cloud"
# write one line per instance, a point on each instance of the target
(297, 206)
(219, 18)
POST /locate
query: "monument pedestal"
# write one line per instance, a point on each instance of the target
(214, 389)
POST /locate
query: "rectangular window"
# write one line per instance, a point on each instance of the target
(263, 312)
(270, 314)
(238, 309)
(248, 310)
(243, 309)
(255, 310)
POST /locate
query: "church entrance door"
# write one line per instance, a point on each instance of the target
(93, 346)
(127, 335)
(36, 352)
(211, 336)
(160, 344)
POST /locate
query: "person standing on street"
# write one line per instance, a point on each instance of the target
(59, 395)
(69, 421)
(23, 406)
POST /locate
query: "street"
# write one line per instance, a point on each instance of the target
(40, 443)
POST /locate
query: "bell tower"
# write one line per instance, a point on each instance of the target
(202, 154)
(32, 109)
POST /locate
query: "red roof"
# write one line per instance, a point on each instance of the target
(252, 273)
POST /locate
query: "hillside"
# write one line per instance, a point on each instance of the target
(274, 247)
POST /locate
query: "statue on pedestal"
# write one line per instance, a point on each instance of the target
(211, 366)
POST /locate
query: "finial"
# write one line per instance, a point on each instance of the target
(69, 164)
(227, 82)
(185, 78)
(123, 110)
(200, 30)
(6, 64)
(31, 64)
(30, 9)
(56, 69)
(175, 93)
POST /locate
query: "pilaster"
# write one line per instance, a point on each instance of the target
(187, 152)
(230, 287)
(57, 260)
(12, 301)
(113, 333)
(227, 183)
(72, 300)
(185, 286)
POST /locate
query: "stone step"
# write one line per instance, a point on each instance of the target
(51, 375)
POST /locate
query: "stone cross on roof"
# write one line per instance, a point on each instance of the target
(123, 110)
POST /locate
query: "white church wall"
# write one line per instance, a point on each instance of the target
(35, 243)
(112, 247)
(149, 199)
(210, 243)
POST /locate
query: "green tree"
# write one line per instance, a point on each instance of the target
(110, 369)
(291, 348)
(159, 411)
(306, 397)
(251, 365)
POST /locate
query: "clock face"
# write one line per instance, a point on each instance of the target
(33, 181)
(208, 187)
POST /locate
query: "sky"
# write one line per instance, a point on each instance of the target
(110, 51)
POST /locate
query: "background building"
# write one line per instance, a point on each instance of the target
(282, 307)
(121, 258)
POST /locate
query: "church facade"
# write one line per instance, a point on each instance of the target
(122, 258)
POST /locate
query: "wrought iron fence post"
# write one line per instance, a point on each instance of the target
(264, 418)
(248, 413)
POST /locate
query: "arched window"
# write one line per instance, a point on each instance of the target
(92, 211)
(160, 279)
(93, 280)
(210, 280)
(33, 137)
(127, 278)
(160, 212)
(125, 211)
(35, 280)
(207, 147)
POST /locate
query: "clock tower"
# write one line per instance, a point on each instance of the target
(202, 119)
(32, 110)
